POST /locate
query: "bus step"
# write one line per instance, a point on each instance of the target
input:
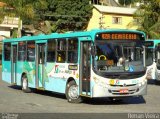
(85, 94)
(40, 88)
(13, 84)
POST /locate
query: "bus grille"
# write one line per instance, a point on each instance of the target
(117, 92)
(123, 85)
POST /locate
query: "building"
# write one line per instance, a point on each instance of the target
(109, 17)
(105, 2)
(9, 24)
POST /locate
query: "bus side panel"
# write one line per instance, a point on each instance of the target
(54, 82)
(19, 72)
(58, 75)
(29, 69)
(6, 71)
(56, 85)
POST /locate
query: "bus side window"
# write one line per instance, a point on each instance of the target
(51, 51)
(21, 51)
(31, 51)
(72, 50)
(7, 51)
(61, 50)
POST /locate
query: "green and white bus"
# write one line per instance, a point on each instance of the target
(153, 54)
(96, 63)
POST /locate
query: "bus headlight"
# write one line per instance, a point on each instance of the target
(139, 84)
(142, 83)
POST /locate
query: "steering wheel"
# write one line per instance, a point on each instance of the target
(102, 57)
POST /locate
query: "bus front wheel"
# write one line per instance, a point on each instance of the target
(25, 87)
(72, 93)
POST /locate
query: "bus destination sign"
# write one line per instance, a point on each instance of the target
(119, 36)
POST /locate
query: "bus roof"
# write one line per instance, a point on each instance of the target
(69, 34)
(155, 42)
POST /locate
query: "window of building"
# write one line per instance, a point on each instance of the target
(61, 50)
(117, 20)
(7, 51)
(72, 50)
(31, 51)
(51, 51)
(21, 51)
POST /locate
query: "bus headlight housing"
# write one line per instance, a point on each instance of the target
(143, 82)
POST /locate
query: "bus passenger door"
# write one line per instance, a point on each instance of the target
(13, 63)
(85, 68)
(40, 65)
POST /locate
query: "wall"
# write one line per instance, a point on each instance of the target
(127, 21)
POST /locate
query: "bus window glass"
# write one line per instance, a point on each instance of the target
(118, 56)
(7, 51)
(31, 51)
(72, 50)
(21, 51)
(61, 44)
(51, 51)
(149, 56)
(61, 50)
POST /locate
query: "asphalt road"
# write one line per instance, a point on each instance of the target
(13, 100)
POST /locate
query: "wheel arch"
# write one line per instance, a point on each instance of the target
(70, 79)
(24, 73)
(70, 82)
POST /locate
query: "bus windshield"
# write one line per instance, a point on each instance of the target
(118, 56)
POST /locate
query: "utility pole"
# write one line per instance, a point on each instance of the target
(101, 23)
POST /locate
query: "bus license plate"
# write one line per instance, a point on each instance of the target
(123, 90)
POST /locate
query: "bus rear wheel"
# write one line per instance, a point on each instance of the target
(25, 87)
(72, 93)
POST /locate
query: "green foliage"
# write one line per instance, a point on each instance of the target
(69, 15)
(14, 33)
(60, 15)
(148, 17)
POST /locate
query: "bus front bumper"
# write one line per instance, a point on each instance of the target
(112, 91)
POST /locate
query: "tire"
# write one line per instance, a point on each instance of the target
(24, 84)
(72, 93)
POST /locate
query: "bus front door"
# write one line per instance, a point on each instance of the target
(40, 65)
(85, 68)
(13, 64)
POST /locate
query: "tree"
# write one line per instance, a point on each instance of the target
(68, 15)
(15, 8)
(56, 15)
(148, 18)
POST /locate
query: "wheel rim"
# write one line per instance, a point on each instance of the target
(73, 92)
(24, 84)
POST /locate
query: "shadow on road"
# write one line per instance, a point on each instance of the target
(108, 101)
(42, 92)
(153, 82)
(91, 101)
